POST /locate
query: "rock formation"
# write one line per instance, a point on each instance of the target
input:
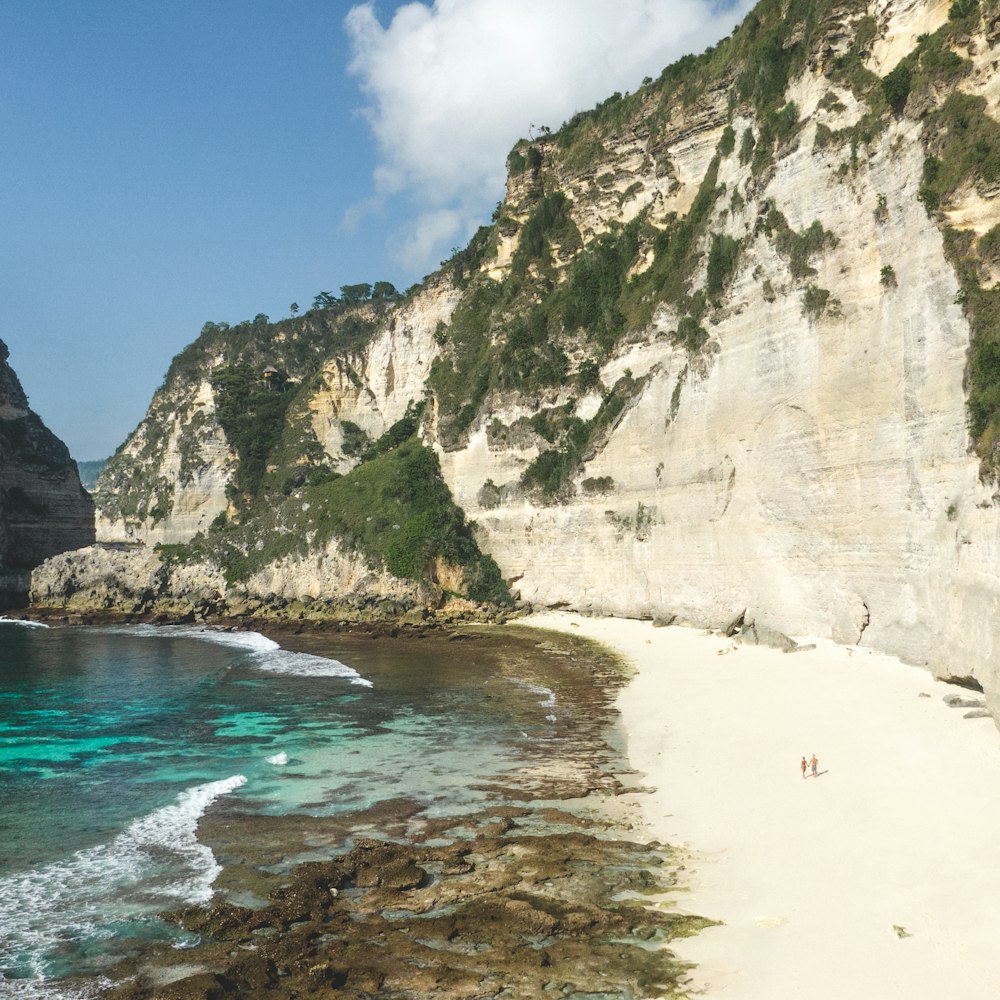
(43, 508)
(727, 345)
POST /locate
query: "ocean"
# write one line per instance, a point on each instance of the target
(116, 740)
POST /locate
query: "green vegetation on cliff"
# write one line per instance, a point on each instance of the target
(962, 140)
(394, 509)
(250, 410)
(252, 413)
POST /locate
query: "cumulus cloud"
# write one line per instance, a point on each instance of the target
(451, 86)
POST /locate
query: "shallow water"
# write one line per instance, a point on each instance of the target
(116, 740)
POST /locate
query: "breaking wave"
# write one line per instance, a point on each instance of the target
(156, 863)
(265, 653)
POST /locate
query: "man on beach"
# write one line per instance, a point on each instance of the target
(813, 764)
(803, 767)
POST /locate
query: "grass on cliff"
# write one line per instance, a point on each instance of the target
(510, 335)
(515, 334)
(962, 141)
(551, 474)
(394, 509)
(252, 414)
(130, 489)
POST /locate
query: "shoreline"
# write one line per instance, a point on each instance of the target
(538, 886)
(878, 877)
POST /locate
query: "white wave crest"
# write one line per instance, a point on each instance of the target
(279, 759)
(156, 862)
(548, 696)
(265, 653)
(26, 623)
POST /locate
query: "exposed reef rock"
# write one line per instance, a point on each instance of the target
(526, 916)
(43, 507)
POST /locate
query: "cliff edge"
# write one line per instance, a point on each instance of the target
(43, 508)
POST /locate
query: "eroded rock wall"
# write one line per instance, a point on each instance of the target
(811, 465)
(43, 507)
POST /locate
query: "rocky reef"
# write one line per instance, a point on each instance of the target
(43, 508)
(502, 910)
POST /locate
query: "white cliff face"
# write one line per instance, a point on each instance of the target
(373, 388)
(188, 474)
(814, 469)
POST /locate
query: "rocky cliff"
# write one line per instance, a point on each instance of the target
(43, 508)
(730, 342)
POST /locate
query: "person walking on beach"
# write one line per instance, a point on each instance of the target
(813, 764)
(803, 767)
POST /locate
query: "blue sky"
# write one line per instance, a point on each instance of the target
(165, 164)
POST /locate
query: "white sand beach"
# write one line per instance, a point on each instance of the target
(900, 829)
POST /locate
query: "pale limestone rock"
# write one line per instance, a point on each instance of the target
(134, 578)
(900, 23)
(811, 463)
(197, 463)
(373, 388)
(331, 574)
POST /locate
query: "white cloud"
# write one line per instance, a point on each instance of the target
(452, 86)
(418, 245)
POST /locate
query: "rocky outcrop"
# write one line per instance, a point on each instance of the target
(135, 579)
(43, 507)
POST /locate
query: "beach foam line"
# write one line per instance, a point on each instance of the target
(265, 653)
(547, 695)
(157, 862)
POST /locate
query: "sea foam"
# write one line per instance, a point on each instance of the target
(157, 862)
(265, 653)
(548, 696)
(21, 621)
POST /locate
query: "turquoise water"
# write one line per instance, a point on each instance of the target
(116, 740)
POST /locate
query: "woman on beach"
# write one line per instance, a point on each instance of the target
(803, 767)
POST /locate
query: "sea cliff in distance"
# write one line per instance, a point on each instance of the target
(727, 348)
(43, 508)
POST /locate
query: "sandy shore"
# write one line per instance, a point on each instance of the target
(879, 878)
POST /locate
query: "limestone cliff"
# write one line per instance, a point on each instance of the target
(43, 507)
(731, 341)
